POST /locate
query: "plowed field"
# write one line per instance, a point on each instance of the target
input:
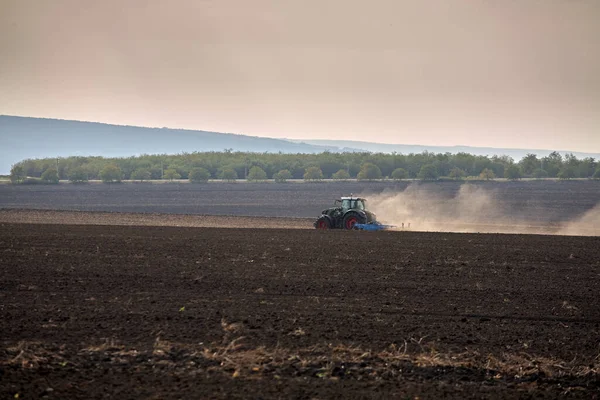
(538, 202)
(91, 311)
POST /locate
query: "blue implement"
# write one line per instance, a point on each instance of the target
(373, 226)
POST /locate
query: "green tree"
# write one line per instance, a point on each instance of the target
(313, 174)
(17, 174)
(199, 175)
(257, 174)
(457, 173)
(282, 176)
(529, 164)
(399, 174)
(586, 168)
(428, 172)
(141, 175)
(78, 175)
(171, 173)
(566, 172)
(487, 174)
(341, 175)
(596, 174)
(552, 164)
(50, 175)
(369, 171)
(513, 172)
(229, 174)
(540, 173)
(111, 174)
(499, 164)
(329, 163)
(216, 162)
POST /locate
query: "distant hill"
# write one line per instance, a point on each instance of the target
(517, 154)
(24, 137)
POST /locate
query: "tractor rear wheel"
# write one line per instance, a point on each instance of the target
(352, 219)
(323, 222)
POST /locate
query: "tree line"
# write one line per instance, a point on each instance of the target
(230, 166)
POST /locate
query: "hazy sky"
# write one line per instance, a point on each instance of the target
(502, 73)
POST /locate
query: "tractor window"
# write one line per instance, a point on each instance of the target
(358, 205)
(353, 204)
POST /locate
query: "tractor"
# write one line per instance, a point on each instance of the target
(347, 213)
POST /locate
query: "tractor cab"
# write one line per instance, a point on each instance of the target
(353, 203)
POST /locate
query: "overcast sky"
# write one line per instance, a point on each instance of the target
(501, 73)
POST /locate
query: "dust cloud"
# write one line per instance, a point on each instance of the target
(470, 209)
(586, 225)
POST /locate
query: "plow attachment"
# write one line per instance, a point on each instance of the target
(373, 226)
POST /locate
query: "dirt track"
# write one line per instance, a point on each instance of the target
(166, 312)
(140, 219)
(229, 221)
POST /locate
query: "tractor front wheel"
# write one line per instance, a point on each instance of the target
(323, 223)
(352, 219)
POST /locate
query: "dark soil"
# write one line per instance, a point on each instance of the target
(166, 312)
(544, 202)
